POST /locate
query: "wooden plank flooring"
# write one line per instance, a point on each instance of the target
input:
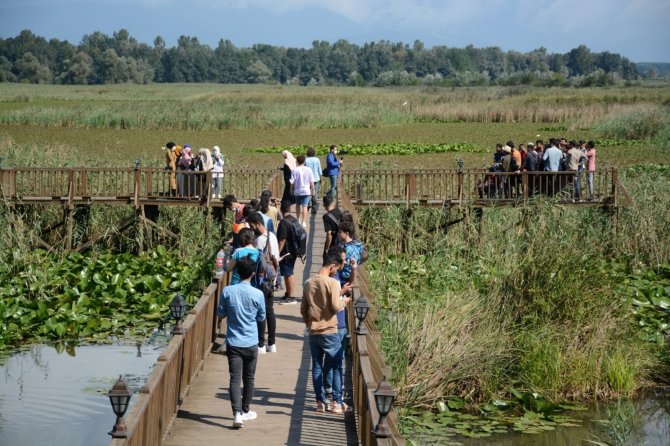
(284, 397)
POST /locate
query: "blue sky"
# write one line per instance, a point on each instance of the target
(637, 29)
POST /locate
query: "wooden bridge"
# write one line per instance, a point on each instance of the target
(185, 398)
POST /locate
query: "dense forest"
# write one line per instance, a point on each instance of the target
(101, 59)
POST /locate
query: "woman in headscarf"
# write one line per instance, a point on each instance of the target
(185, 163)
(289, 165)
(204, 165)
(217, 172)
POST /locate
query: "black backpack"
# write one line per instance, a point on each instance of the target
(297, 239)
(265, 272)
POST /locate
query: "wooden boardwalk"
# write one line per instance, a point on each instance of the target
(284, 398)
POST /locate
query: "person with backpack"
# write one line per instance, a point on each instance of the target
(292, 238)
(247, 249)
(266, 243)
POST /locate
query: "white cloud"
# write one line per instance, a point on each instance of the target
(390, 12)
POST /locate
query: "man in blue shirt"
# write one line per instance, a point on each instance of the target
(244, 306)
(552, 162)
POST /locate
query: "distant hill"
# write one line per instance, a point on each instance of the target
(661, 69)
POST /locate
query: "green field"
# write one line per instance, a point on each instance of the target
(77, 125)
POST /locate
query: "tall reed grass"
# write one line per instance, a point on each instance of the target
(530, 299)
(216, 107)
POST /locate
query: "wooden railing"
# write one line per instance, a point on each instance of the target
(471, 187)
(127, 184)
(477, 187)
(156, 406)
(368, 365)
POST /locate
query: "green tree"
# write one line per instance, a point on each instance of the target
(6, 74)
(30, 70)
(77, 70)
(580, 61)
(258, 72)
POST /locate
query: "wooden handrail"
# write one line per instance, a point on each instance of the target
(156, 406)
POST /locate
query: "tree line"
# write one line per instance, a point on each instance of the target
(120, 58)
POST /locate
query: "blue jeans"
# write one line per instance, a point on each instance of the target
(328, 384)
(326, 354)
(315, 197)
(333, 185)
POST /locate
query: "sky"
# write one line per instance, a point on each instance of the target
(636, 29)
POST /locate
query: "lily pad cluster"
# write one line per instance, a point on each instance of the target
(650, 295)
(448, 420)
(79, 297)
(380, 149)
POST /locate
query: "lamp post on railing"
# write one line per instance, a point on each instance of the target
(384, 397)
(460, 163)
(178, 310)
(361, 307)
(1, 158)
(119, 397)
(137, 164)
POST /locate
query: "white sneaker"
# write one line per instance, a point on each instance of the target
(238, 420)
(251, 415)
(261, 350)
(304, 225)
(272, 348)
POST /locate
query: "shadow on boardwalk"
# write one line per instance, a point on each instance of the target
(284, 397)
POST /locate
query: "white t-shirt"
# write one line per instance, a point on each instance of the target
(302, 178)
(261, 240)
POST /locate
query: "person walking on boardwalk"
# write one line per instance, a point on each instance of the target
(332, 169)
(322, 298)
(289, 165)
(265, 238)
(244, 306)
(302, 188)
(314, 164)
(285, 235)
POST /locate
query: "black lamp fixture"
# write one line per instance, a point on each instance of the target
(361, 307)
(1, 158)
(119, 396)
(460, 164)
(178, 310)
(384, 397)
(137, 164)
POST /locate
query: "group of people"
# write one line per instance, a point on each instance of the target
(260, 230)
(556, 155)
(302, 178)
(180, 159)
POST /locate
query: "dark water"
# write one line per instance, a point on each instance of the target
(49, 398)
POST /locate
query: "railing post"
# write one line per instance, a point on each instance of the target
(615, 180)
(410, 186)
(138, 176)
(524, 184)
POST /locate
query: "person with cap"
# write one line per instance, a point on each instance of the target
(217, 172)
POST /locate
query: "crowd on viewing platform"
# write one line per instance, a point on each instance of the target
(556, 155)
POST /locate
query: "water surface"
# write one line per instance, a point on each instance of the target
(53, 398)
